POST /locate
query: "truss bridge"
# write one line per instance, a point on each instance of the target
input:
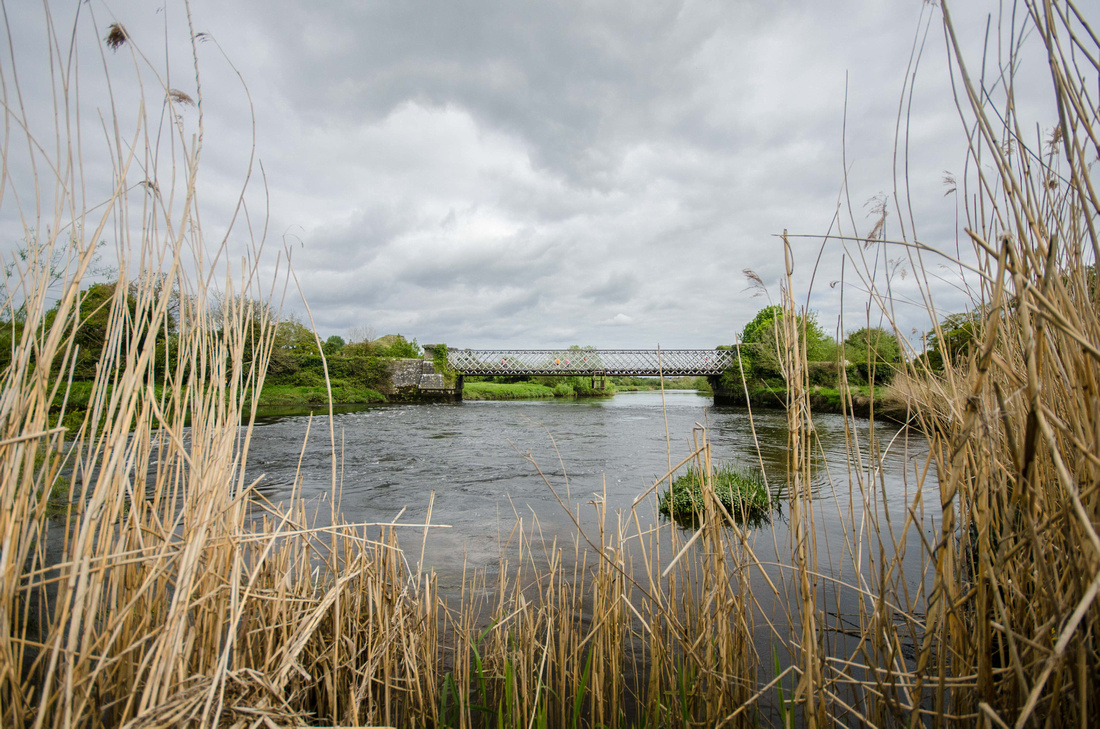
(597, 363)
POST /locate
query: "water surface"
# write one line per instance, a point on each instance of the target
(473, 457)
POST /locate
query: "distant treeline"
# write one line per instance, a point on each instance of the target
(357, 370)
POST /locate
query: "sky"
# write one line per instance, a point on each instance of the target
(537, 174)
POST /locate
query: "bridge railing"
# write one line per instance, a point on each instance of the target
(638, 362)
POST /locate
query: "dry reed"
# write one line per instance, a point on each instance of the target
(182, 598)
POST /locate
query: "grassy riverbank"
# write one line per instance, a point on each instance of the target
(343, 394)
(505, 391)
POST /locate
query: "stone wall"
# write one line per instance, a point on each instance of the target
(404, 373)
(416, 379)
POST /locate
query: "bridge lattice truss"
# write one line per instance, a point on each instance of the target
(640, 362)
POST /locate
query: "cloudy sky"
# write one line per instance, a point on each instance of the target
(526, 174)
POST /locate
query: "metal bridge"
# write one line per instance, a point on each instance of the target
(595, 362)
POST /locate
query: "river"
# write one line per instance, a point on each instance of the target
(471, 456)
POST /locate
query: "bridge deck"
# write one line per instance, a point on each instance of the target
(638, 362)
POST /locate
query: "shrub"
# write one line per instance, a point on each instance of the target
(742, 492)
(823, 373)
(308, 378)
(333, 345)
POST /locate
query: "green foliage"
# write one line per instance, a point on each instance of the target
(358, 349)
(308, 378)
(10, 334)
(501, 391)
(873, 353)
(825, 374)
(282, 364)
(579, 385)
(294, 336)
(289, 368)
(91, 332)
(397, 347)
(958, 334)
(333, 345)
(442, 365)
(631, 383)
(875, 345)
(276, 395)
(760, 345)
(742, 492)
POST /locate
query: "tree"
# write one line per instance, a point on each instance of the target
(333, 345)
(874, 352)
(51, 262)
(294, 336)
(361, 335)
(94, 320)
(957, 335)
(761, 339)
(155, 286)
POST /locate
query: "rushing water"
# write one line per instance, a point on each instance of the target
(472, 457)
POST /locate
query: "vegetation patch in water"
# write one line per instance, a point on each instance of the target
(742, 492)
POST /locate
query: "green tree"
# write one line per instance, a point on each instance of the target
(957, 336)
(873, 344)
(333, 345)
(295, 337)
(873, 352)
(93, 322)
(761, 338)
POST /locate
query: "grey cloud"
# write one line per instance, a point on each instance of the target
(494, 172)
(616, 288)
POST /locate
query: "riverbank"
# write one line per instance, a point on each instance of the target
(822, 399)
(277, 395)
(861, 402)
(529, 391)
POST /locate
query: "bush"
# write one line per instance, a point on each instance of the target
(742, 492)
(397, 347)
(333, 345)
(308, 378)
(825, 374)
(282, 365)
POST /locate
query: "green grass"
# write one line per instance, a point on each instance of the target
(643, 384)
(742, 492)
(502, 391)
